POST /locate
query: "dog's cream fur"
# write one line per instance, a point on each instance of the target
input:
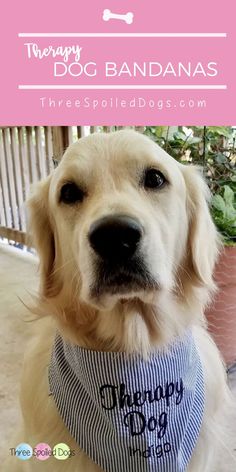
(180, 247)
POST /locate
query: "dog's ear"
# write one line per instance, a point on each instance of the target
(203, 239)
(41, 234)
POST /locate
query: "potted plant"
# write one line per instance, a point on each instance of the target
(221, 315)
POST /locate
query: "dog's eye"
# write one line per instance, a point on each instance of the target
(154, 179)
(71, 193)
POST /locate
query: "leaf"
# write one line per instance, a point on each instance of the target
(180, 135)
(161, 131)
(228, 195)
(220, 158)
(225, 131)
(194, 140)
(218, 203)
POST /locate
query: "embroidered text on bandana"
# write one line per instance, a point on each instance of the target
(130, 414)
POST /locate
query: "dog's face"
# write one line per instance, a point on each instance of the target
(119, 209)
(123, 220)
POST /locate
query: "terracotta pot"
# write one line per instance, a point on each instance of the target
(221, 315)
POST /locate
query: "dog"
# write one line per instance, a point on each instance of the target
(121, 367)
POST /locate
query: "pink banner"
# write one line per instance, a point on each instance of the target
(120, 62)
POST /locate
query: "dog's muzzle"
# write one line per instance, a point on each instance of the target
(120, 268)
(115, 238)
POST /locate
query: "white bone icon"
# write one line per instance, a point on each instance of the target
(108, 15)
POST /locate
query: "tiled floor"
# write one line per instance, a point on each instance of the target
(18, 276)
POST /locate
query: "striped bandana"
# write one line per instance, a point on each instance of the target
(130, 414)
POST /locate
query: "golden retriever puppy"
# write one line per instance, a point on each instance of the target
(121, 368)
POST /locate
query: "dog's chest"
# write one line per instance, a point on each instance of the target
(128, 414)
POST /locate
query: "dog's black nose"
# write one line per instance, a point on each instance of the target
(115, 238)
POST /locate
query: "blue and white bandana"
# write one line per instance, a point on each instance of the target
(129, 414)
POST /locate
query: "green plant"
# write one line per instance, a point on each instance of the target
(224, 214)
(213, 148)
(180, 142)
